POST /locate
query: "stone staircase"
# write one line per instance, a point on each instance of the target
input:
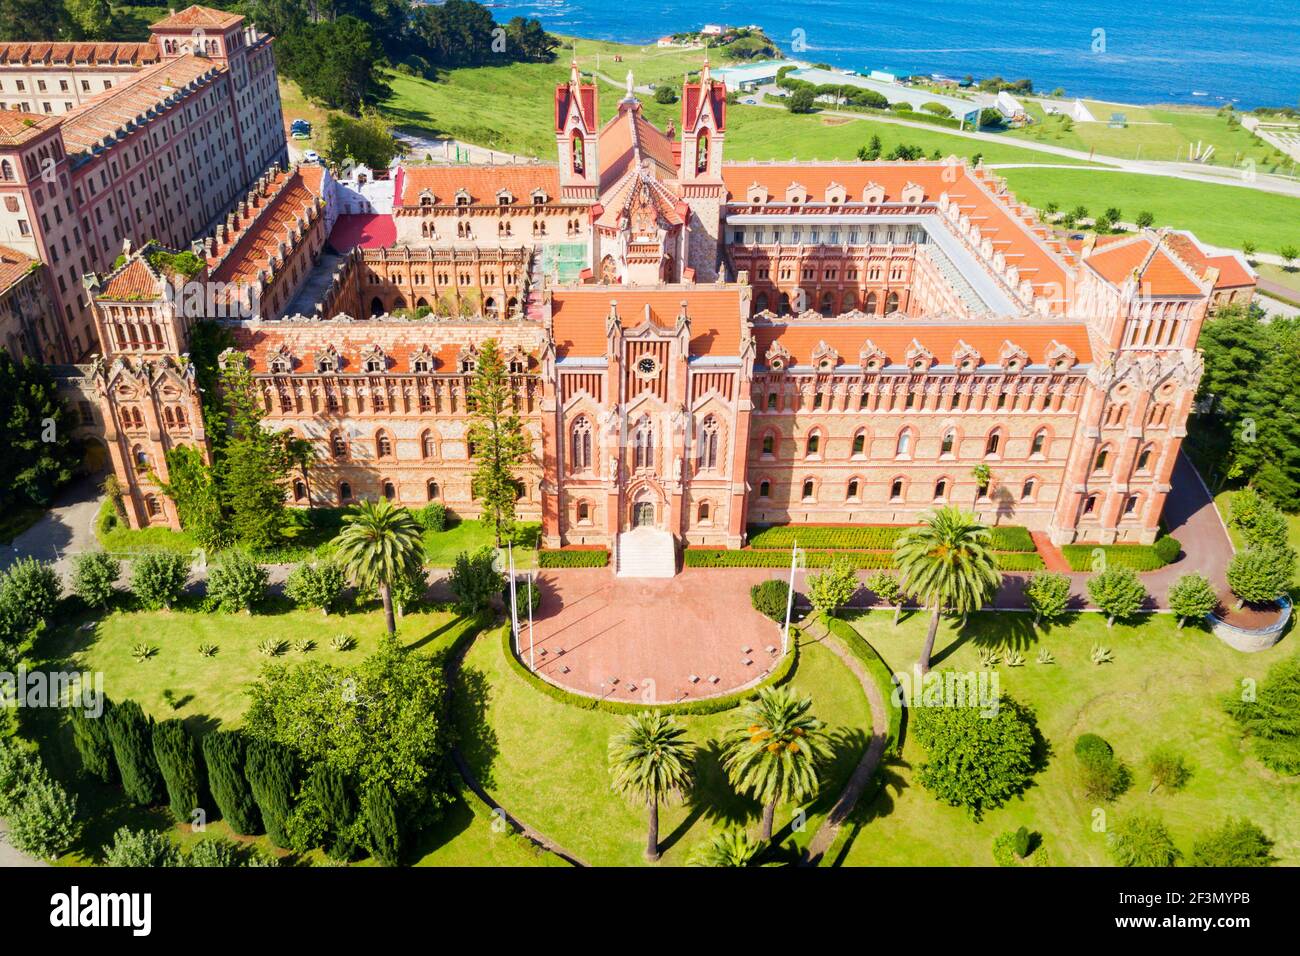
(646, 553)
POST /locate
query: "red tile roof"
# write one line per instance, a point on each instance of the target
(93, 54)
(481, 182)
(366, 231)
(17, 127)
(257, 240)
(1232, 274)
(894, 340)
(586, 103)
(196, 16)
(1158, 273)
(578, 316)
(694, 99)
(13, 266)
(133, 281)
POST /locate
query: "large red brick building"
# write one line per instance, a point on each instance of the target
(696, 345)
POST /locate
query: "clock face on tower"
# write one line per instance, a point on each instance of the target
(646, 366)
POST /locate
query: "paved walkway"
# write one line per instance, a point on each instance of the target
(65, 530)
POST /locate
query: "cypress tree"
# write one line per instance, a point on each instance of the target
(223, 753)
(130, 732)
(272, 775)
(383, 829)
(332, 791)
(178, 759)
(90, 736)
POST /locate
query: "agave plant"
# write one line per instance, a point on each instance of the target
(989, 657)
(142, 651)
(1101, 655)
(1013, 659)
(272, 648)
(730, 847)
(1045, 656)
(304, 645)
(343, 642)
(208, 650)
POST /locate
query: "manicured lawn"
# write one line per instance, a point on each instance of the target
(470, 534)
(1163, 687)
(1220, 215)
(546, 761)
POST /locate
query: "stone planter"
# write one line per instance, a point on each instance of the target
(1251, 640)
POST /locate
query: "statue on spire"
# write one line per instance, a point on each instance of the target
(630, 94)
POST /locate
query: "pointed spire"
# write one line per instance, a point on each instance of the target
(574, 76)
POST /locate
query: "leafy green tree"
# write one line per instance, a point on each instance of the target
(32, 20)
(1236, 843)
(497, 436)
(131, 733)
(728, 847)
(315, 584)
(94, 578)
(385, 833)
(974, 760)
(337, 63)
(1168, 769)
(1141, 840)
(1103, 775)
(17, 766)
(1048, 596)
(192, 487)
(651, 763)
(236, 582)
(1268, 720)
(664, 93)
(885, 586)
(947, 562)
(871, 152)
(1261, 575)
(224, 755)
(1118, 592)
(45, 823)
(802, 100)
(770, 598)
(214, 852)
(1258, 520)
(1145, 220)
(255, 464)
(40, 454)
(1192, 596)
(29, 593)
(158, 579)
(94, 746)
(379, 542)
(475, 580)
(775, 752)
(181, 765)
(91, 19)
(272, 773)
(834, 587)
(139, 848)
(368, 140)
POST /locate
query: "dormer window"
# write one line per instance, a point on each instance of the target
(504, 198)
(462, 198)
(426, 200)
(279, 365)
(374, 361)
(539, 198)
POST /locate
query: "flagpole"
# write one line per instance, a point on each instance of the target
(514, 604)
(789, 600)
(532, 664)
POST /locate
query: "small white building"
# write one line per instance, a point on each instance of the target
(882, 76)
(1010, 107)
(712, 30)
(1081, 113)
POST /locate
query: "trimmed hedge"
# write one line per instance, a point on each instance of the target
(861, 648)
(866, 537)
(573, 558)
(1018, 561)
(1139, 557)
(752, 558)
(713, 705)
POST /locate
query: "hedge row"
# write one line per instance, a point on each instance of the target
(574, 558)
(714, 705)
(1018, 561)
(861, 648)
(1139, 557)
(751, 558)
(866, 537)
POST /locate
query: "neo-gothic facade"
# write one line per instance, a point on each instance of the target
(696, 345)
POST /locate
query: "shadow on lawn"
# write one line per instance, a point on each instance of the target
(475, 737)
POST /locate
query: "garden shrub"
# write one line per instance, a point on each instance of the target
(1103, 775)
(158, 579)
(1167, 549)
(770, 598)
(29, 592)
(271, 770)
(573, 558)
(1269, 720)
(383, 827)
(1117, 592)
(1261, 575)
(1139, 557)
(1236, 843)
(44, 823)
(94, 578)
(180, 763)
(1091, 748)
(474, 579)
(236, 582)
(523, 593)
(834, 588)
(1141, 840)
(432, 517)
(136, 848)
(1017, 561)
(315, 584)
(214, 852)
(755, 558)
(131, 733)
(224, 756)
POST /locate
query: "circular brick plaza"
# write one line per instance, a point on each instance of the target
(647, 640)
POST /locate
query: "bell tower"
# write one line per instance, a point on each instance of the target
(704, 127)
(577, 121)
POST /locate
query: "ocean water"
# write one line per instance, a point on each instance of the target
(1204, 52)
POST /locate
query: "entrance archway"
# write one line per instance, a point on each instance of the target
(643, 514)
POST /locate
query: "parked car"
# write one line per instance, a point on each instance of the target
(749, 101)
(298, 134)
(311, 156)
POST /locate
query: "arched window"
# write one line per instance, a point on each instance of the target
(390, 490)
(940, 489)
(993, 443)
(431, 490)
(1102, 457)
(383, 445)
(784, 307)
(904, 444)
(859, 443)
(809, 490)
(1040, 440)
(949, 439)
(760, 302)
(584, 512)
(141, 459)
(345, 492)
(704, 513)
(828, 305)
(1027, 490)
(299, 489)
(891, 303)
(643, 445)
(578, 150)
(765, 489)
(853, 490)
(1090, 504)
(769, 444)
(338, 445)
(709, 444)
(872, 302)
(153, 506)
(896, 489)
(428, 447)
(702, 152)
(814, 444)
(1144, 459)
(6, 171)
(580, 456)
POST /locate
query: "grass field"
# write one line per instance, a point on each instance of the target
(546, 761)
(1164, 686)
(1220, 215)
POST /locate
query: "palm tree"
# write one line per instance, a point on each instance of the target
(378, 543)
(774, 755)
(947, 562)
(730, 847)
(651, 763)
